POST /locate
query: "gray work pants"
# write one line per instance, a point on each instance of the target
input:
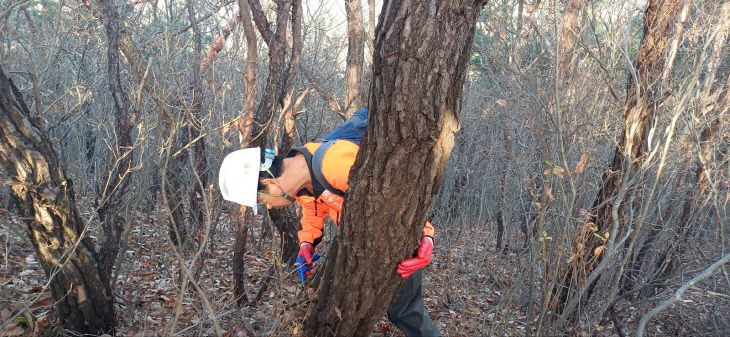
(408, 312)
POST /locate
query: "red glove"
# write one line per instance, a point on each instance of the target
(422, 259)
(306, 250)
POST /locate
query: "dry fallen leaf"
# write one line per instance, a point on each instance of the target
(598, 250)
(581, 164)
(14, 331)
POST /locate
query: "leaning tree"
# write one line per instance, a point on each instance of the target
(422, 50)
(44, 200)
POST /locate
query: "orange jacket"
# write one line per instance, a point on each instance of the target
(336, 165)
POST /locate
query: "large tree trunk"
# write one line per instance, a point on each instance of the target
(45, 201)
(421, 55)
(641, 100)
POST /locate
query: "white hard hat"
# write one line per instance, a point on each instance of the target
(239, 176)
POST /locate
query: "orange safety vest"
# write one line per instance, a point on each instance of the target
(336, 165)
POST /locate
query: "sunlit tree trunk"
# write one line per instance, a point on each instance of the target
(422, 50)
(44, 199)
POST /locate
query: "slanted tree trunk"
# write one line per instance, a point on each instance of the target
(112, 190)
(278, 91)
(355, 56)
(641, 100)
(244, 137)
(288, 108)
(45, 201)
(276, 98)
(422, 50)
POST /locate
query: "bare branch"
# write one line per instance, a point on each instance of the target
(678, 294)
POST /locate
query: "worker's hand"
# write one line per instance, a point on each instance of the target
(306, 250)
(422, 259)
(304, 260)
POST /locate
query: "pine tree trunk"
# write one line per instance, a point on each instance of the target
(422, 50)
(45, 200)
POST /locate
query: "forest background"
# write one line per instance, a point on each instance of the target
(586, 192)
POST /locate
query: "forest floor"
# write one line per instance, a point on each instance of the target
(463, 287)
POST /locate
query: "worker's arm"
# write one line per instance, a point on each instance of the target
(423, 254)
(313, 216)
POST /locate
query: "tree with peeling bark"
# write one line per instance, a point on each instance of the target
(644, 94)
(45, 199)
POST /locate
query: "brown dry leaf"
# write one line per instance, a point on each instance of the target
(501, 102)
(599, 250)
(549, 193)
(582, 163)
(14, 331)
(34, 290)
(42, 303)
(41, 325)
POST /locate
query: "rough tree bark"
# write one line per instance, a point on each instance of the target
(355, 56)
(644, 94)
(112, 190)
(45, 201)
(422, 50)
